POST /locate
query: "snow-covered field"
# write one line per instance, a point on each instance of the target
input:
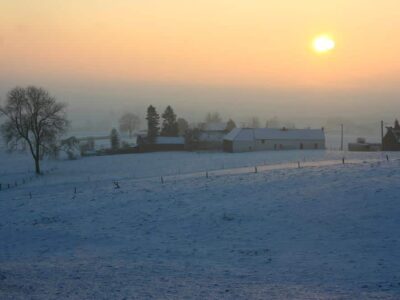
(324, 231)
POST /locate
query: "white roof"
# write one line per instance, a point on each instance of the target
(175, 140)
(215, 126)
(245, 134)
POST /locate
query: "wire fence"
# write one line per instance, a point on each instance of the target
(9, 184)
(208, 174)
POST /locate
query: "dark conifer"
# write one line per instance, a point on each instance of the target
(153, 124)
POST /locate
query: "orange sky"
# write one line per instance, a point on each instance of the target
(240, 42)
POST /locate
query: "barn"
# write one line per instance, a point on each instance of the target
(161, 143)
(259, 139)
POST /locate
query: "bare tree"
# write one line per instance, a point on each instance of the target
(183, 126)
(255, 122)
(71, 147)
(33, 117)
(128, 123)
(213, 118)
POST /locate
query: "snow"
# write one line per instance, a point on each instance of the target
(322, 231)
(249, 134)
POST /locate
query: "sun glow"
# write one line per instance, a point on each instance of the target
(323, 44)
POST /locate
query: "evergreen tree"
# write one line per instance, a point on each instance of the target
(153, 124)
(230, 125)
(114, 139)
(396, 125)
(170, 125)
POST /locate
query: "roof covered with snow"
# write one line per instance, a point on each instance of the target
(246, 134)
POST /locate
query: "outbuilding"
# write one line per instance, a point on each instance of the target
(259, 139)
(161, 143)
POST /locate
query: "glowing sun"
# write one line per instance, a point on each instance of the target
(323, 44)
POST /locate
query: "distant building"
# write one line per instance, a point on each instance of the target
(362, 145)
(161, 143)
(91, 144)
(259, 139)
(391, 141)
(212, 135)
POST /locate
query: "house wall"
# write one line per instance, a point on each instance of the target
(243, 146)
(212, 136)
(261, 145)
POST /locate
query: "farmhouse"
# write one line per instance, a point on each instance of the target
(258, 139)
(391, 141)
(212, 135)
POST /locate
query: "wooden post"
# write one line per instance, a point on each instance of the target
(387, 158)
(255, 169)
(343, 160)
(162, 180)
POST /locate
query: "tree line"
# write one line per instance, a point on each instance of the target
(37, 120)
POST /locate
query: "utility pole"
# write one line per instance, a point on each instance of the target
(341, 137)
(382, 135)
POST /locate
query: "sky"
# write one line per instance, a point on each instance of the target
(242, 57)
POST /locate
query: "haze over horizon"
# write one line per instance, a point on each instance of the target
(241, 59)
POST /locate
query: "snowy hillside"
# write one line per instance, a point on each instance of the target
(325, 232)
